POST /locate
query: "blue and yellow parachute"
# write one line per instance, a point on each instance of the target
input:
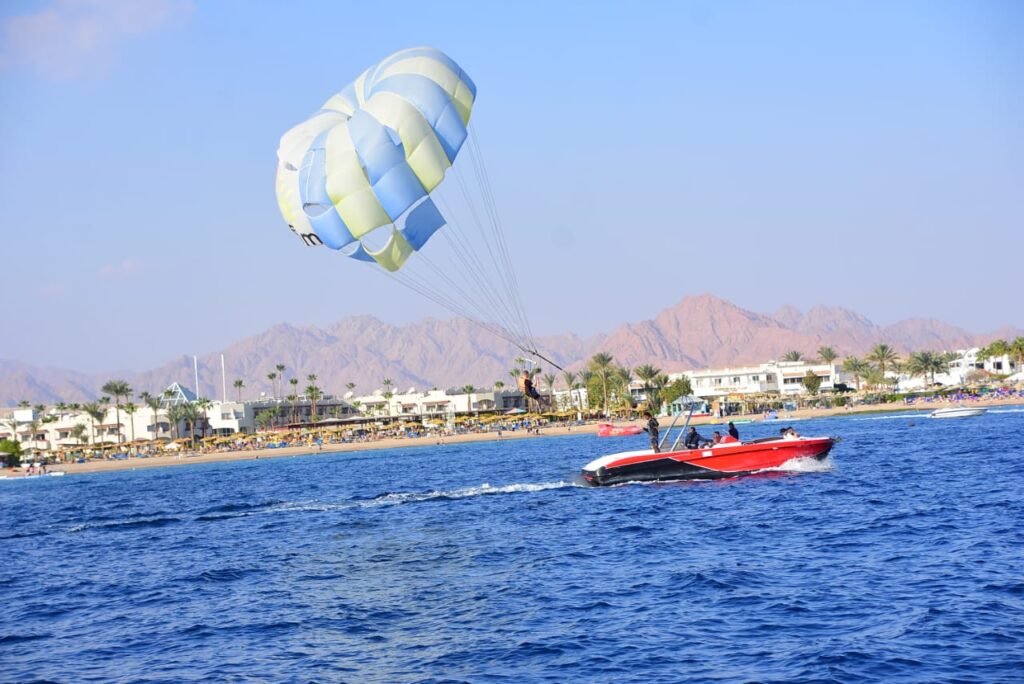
(357, 175)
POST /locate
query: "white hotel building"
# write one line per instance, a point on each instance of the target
(779, 377)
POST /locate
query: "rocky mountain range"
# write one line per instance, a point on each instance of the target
(698, 332)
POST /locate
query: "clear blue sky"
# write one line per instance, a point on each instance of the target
(867, 155)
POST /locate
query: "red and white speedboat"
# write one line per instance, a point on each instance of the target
(609, 430)
(722, 460)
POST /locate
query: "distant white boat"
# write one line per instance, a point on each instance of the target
(957, 412)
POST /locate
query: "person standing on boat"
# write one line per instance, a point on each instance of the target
(733, 432)
(652, 430)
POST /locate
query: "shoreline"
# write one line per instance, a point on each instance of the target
(590, 428)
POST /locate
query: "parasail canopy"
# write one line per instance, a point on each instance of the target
(366, 175)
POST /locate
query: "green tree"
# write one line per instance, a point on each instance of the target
(995, 348)
(827, 355)
(549, 382)
(10, 452)
(680, 387)
(314, 394)
(78, 431)
(1017, 351)
(129, 410)
(858, 368)
(570, 383)
(95, 411)
(792, 356)
(117, 389)
(238, 389)
(294, 396)
(272, 377)
(204, 405)
(176, 413)
(154, 405)
(883, 355)
(190, 414)
(811, 382)
(647, 374)
(498, 385)
(922, 363)
(601, 366)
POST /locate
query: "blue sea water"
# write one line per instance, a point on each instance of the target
(901, 559)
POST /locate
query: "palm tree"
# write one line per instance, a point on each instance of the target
(925, 364)
(883, 355)
(570, 379)
(498, 385)
(24, 403)
(154, 404)
(586, 375)
(294, 396)
(238, 389)
(130, 410)
(77, 431)
(95, 412)
(647, 373)
(175, 414)
(203, 405)
(117, 389)
(601, 365)
(191, 413)
(549, 382)
(467, 389)
(792, 356)
(995, 348)
(1017, 350)
(827, 355)
(313, 393)
(350, 386)
(855, 367)
(272, 377)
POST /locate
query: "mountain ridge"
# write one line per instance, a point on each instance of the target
(698, 331)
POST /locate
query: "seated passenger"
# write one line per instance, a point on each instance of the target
(716, 437)
(789, 433)
(693, 439)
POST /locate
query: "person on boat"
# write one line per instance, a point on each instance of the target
(693, 439)
(789, 433)
(733, 432)
(716, 437)
(528, 390)
(652, 430)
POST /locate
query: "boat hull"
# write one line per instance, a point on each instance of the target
(957, 413)
(724, 460)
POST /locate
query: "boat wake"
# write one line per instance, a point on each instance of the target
(232, 511)
(803, 465)
(1013, 410)
(901, 416)
(485, 489)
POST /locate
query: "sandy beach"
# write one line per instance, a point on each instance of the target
(186, 458)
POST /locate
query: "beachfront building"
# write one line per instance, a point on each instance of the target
(965, 367)
(773, 377)
(63, 428)
(436, 403)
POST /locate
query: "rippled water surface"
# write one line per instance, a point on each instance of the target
(900, 561)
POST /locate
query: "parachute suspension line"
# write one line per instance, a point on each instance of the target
(476, 271)
(477, 157)
(422, 290)
(502, 269)
(495, 314)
